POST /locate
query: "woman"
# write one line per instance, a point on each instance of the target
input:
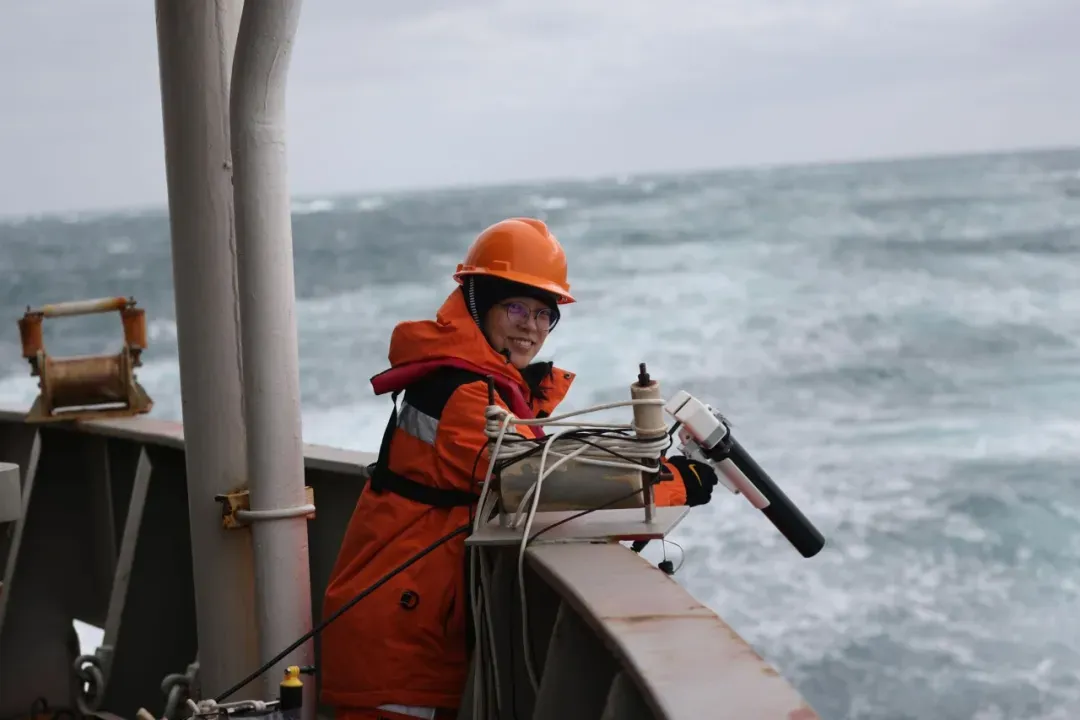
(402, 653)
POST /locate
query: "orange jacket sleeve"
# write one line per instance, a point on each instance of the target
(461, 442)
(673, 491)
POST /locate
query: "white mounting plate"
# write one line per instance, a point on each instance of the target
(599, 525)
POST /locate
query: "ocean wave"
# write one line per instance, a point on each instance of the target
(896, 343)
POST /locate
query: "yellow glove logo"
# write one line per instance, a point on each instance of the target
(694, 470)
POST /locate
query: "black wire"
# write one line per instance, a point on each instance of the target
(524, 610)
(513, 615)
(575, 516)
(513, 665)
(538, 447)
(580, 436)
(473, 480)
(360, 596)
(577, 435)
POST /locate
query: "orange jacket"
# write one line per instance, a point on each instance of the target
(406, 642)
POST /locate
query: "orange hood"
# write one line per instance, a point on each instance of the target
(453, 338)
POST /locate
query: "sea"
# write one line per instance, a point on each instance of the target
(896, 342)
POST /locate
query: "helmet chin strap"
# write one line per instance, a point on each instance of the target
(470, 300)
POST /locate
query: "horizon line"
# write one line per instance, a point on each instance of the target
(398, 191)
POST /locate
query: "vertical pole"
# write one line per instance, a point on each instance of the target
(268, 322)
(196, 41)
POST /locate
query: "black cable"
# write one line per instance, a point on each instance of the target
(575, 516)
(539, 443)
(532, 650)
(513, 665)
(360, 596)
(472, 478)
(580, 436)
(524, 614)
(577, 435)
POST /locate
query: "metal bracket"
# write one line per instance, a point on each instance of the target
(178, 688)
(236, 509)
(92, 680)
(592, 526)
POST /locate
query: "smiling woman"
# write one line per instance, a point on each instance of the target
(518, 326)
(513, 280)
(406, 654)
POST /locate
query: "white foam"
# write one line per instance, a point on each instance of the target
(756, 299)
(161, 329)
(370, 204)
(541, 202)
(352, 427)
(119, 245)
(17, 388)
(311, 207)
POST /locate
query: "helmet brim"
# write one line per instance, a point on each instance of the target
(562, 296)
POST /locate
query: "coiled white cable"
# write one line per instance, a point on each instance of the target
(482, 618)
(540, 475)
(498, 421)
(599, 449)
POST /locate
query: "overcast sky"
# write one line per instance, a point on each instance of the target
(425, 92)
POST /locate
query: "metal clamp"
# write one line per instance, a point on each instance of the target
(88, 670)
(236, 509)
(178, 687)
(210, 708)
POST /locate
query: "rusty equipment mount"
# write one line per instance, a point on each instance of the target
(86, 387)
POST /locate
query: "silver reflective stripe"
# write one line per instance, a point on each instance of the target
(428, 713)
(420, 425)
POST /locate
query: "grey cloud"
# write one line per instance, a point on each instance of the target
(428, 92)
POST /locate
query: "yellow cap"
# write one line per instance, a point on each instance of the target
(292, 677)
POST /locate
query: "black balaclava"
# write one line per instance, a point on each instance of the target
(483, 291)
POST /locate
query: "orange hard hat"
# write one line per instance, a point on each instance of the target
(520, 250)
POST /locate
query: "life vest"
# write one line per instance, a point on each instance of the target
(408, 643)
(428, 386)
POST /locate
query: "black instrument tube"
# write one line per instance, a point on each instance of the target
(781, 512)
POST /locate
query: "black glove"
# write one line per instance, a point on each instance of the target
(698, 477)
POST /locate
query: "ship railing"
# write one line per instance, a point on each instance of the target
(102, 536)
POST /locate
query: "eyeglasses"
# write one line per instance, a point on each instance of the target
(518, 312)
